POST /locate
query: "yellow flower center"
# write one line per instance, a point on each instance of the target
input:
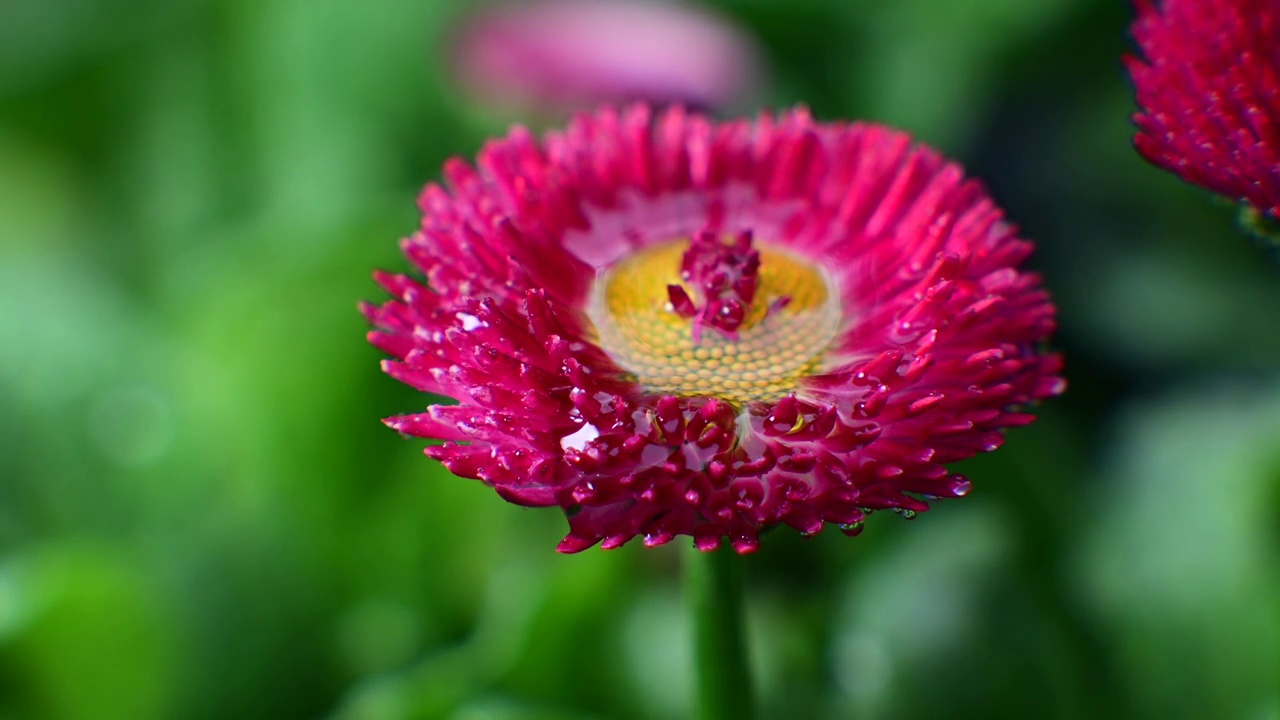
(788, 326)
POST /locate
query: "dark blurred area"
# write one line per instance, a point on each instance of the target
(201, 516)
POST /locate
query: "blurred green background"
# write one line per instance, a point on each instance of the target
(201, 516)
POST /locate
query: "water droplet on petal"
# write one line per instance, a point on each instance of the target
(578, 440)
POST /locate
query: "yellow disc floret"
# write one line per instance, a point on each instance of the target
(788, 327)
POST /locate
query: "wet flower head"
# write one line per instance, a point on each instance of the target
(1208, 87)
(675, 327)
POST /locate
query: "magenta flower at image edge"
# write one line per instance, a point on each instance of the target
(1208, 89)
(667, 326)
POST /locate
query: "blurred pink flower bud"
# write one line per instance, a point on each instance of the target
(558, 55)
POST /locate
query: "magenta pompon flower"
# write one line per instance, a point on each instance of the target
(1208, 88)
(668, 326)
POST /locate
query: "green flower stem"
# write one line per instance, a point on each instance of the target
(713, 589)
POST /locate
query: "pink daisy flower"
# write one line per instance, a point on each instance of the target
(557, 54)
(1208, 85)
(667, 326)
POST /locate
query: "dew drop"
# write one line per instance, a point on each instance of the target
(469, 322)
(579, 439)
(851, 529)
